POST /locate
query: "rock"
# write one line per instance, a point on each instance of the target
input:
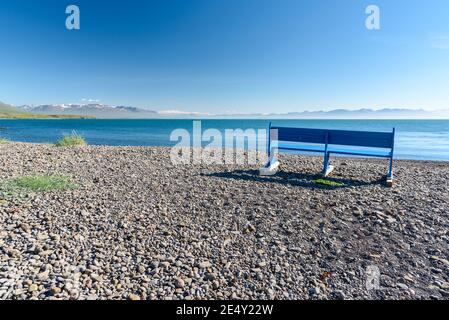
(43, 275)
(314, 291)
(148, 230)
(402, 286)
(249, 228)
(45, 252)
(339, 295)
(55, 237)
(133, 296)
(409, 278)
(442, 260)
(18, 292)
(55, 290)
(391, 220)
(68, 286)
(357, 212)
(216, 285)
(179, 283)
(178, 290)
(96, 277)
(25, 227)
(178, 263)
(205, 264)
(41, 236)
(210, 276)
(444, 285)
(33, 287)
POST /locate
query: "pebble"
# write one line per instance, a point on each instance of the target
(146, 229)
(339, 295)
(179, 283)
(205, 264)
(55, 290)
(133, 297)
(33, 287)
(402, 286)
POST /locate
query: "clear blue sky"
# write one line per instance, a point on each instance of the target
(227, 55)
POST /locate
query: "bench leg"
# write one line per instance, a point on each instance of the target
(389, 181)
(327, 168)
(272, 167)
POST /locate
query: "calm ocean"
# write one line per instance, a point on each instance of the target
(415, 139)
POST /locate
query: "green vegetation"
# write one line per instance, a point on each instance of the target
(329, 183)
(73, 139)
(41, 183)
(10, 112)
(3, 141)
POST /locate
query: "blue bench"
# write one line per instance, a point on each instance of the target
(327, 142)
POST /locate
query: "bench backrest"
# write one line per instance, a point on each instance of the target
(300, 135)
(335, 137)
(361, 138)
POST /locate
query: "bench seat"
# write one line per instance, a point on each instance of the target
(328, 142)
(335, 150)
(360, 152)
(297, 147)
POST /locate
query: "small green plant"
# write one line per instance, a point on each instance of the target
(329, 183)
(3, 141)
(73, 139)
(53, 182)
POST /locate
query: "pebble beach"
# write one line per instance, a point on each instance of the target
(135, 226)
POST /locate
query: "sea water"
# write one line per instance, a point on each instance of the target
(415, 139)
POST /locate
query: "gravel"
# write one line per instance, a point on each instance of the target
(137, 227)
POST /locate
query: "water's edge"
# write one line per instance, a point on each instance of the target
(415, 139)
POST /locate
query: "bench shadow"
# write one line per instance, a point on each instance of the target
(297, 179)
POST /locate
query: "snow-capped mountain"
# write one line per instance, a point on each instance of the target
(91, 109)
(103, 111)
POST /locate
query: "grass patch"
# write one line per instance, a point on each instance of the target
(329, 183)
(3, 141)
(73, 139)
(41, 183)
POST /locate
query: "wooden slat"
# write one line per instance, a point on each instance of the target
(301, 135)
(361, 138)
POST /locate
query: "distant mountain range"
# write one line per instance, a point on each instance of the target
(10, 112)
(386, 113)
(96, 110)
(103, 111)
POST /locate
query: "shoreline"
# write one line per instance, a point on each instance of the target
(137, 227)
(242, 118)
(287, 154)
